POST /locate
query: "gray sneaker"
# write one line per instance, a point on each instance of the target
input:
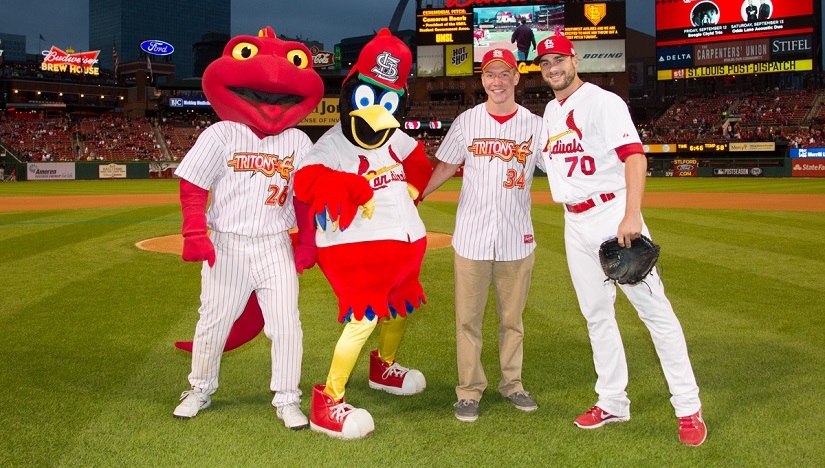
(523, 401)
(292, 417)
(191, 401)
(466, 410)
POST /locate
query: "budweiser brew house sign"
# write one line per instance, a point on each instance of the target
(60, 61)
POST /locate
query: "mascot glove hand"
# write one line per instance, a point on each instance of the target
(339, 200)
(306, 256)
(198, 248)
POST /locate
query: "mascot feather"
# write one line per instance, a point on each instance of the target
(361, 181)
(261, 87)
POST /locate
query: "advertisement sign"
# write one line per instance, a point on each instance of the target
(636, 75)
(430, 61)
(736, 69)
(156, 47)
(600, 56)
(326, 113)
(81, 63)
(738, 171)
(111, 171)
(444, 26)
(459, 60)
(807, 153)
(593, 21)
(50, 171)
(189, 103)
(322, 58)
(659, 148)
(755, 146)
(721, 53)
(685, 167)
(674, 57)
(704, 21)
(808, 168)
(795, 45)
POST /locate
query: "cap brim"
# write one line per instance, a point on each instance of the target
(499, 60)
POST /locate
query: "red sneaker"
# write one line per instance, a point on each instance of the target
(338, 419)
(692, 429)
(596, 417)
(394, 378)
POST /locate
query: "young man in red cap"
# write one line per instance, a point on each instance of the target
(597, 168)
(497, 141)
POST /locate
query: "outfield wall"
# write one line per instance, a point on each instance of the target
(657, 167)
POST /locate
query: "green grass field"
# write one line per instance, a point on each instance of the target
(90, 375)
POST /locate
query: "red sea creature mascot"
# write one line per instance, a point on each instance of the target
(261, 88)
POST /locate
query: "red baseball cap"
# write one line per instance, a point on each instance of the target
(557, 44)
(384, 61)
(502, 55)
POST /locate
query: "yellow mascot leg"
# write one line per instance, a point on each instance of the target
(346, 354)
(390, 339)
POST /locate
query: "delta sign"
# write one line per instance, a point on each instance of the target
(66, 61)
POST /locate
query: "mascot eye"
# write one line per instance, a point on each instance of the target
(244, 51)
(363, 96)
(298, 58)
(389, 101)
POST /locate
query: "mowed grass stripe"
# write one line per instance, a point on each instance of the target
(95, 384)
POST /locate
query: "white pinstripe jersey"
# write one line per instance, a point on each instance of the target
(579, 144)
(395, 217)
(250, 178)
(493, 220)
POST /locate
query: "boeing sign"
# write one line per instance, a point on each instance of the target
(156, 47)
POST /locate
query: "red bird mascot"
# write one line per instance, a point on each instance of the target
(371, 260)
(260, 87)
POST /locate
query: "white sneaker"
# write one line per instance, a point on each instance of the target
(192, 401)
(292, 416)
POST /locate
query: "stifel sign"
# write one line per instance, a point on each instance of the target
(82, 63)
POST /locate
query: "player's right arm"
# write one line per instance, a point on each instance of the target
(442, 172)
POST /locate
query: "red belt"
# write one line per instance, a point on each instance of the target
(589, 203)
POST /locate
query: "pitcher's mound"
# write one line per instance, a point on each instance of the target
(174, 244)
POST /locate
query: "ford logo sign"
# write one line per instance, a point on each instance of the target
(685, 167)
(156, 47)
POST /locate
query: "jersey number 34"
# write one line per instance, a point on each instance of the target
(514, 179)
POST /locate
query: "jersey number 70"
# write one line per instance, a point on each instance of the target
(586, 163)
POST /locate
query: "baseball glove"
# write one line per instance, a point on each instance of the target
(628, 265)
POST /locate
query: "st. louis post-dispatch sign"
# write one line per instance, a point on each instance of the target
(736, 69)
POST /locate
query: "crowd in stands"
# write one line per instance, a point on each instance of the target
(793, 117)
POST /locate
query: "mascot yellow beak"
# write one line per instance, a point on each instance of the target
(378, 118)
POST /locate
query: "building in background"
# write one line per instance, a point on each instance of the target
(13, 47)
(124, 24)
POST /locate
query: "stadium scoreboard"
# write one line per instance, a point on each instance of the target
(444, 26)
(452, 40)
(709, 38)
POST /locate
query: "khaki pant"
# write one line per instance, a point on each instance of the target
(511, 282)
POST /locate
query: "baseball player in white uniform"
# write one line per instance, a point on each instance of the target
(247, 161)
(596, 167)
(498, 143)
